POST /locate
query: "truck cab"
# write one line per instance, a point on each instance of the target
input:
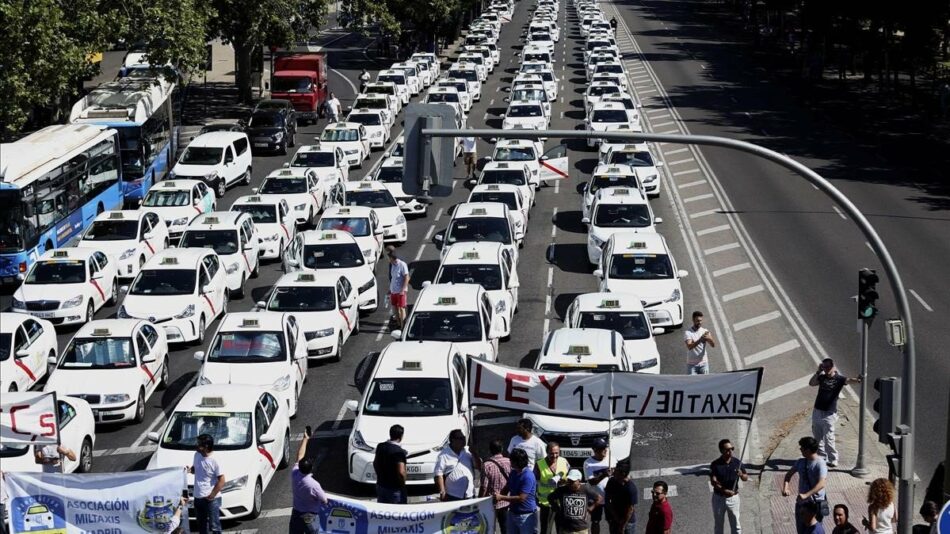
(301, 78)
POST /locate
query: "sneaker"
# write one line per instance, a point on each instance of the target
(832, 464)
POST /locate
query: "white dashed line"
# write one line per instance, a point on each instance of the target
(438, 215)
(720, 248)
(676, 151)
(422, 249)
(662, 124)
(645, 91)
(553, 226)
(727, 270)
(713, 230)
(784, 389)
(679, 161)
(429, 232)
(921, 301)
(703, 213)
(697, 198)
(688, 171)
(754, 321)
(743, 293)
(770, 352)
(839, 212)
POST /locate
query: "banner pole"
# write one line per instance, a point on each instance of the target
(59, 439)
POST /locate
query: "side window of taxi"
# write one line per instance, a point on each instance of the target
(202, 190)
(203, 278)
(151, 335)
(347, 287)
(340, 295)
(261, 424)
(196, 195)
(152, 219)
(141, 345)
(33, 330)
(20, 340)
(459, 363)
(101, 259)
(459, 391)
(283, 211)
(144, 227)
(291, 341)
(269, 402)
(66, 413)
(242, 231)
(93, 268)
(212, 264)
(486, 320)
(505, 275)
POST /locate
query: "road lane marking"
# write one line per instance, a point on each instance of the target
(382, 331)
(839, 212)
(429, 232)
(438, 215)
(720, 248)
(421, 250)
(691, 184)
(662, 124)
(554, 226)
(339, 417)
(679, 161)
(713, 230)
(785, 389)
(921, 300)
(770, 352)
(703, 213)
(743, 293)
(697, 198)
(749, 323)
(676, 151)
(662, 115)
(669, 471)
(647, 91)
(347, 80)
(727, 270)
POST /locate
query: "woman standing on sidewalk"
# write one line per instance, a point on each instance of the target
(881, 509)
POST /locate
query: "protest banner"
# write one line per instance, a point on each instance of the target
(342, 515)
(28, 417)
(610, 396)
(136, 501)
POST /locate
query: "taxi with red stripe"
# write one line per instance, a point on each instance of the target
(25, 344)
(234, 236)
(68, 286)
(362, 223)
(275, 223)
(178, 202)
(334, 252)
(129, 237)
(326, 306)
(180, 291)
(544, 165)
(261, 349)
(375, 195)
(251, 432)
(302, 190)
(115, 365)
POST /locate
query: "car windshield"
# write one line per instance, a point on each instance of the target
(637, 159)
(409, 397)
(247, 347)
(508, 199)
(379, 198)
(494, 229)
(600, 90)
(588, 368)
(641, 267)
(223, 242)
(533, 67)
(513, 154)
(467, 75)
(594, 44)
(356, 226)
(282, 84)
(611, 68)
(538, 56)
(487, 276)
(6, 346)
(260, 213)
(442, 97)
(339, 135)
(264, 120)
(313, 159)
(546, 75)
(302, 299)
(366, 119)
(164, 282)
(231, 431)
(282, 186)
(529, 94)
(525, 111)
(381, 89)
(57, 272)
(332, 256)
(98, 353)
(371, 103)
(609, 115)
(455, 326)
(612, 180)
(112, 231)
(623, 215)
(390, 175)
(461, 87)
(394, 78)
(202, 155)
(494, 176)
(630, 325)
(167, 199)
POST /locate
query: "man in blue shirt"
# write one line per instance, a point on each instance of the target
(522, 487)
(812, 474)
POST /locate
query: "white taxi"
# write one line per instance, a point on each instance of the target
(234, 237)
(129, 238)
(641, 160)
(362, 223)
(509, 173)
(469, 73)
(77, 431)
(388, 89)
(68, 286)
(325, 305)
(449, 96)
(377, 125)
(617, 209)
(115, 365)
(304, 192)
(260, 349)
(400, 80)
(530, 92)
(481, 221)
(641, 264)
(390, 175)
(179, 290)
(376, 195)
(624, 314)
(421, 386)
(526, 115)
(461, 88)
(275, 223)
(431, 59)
(26, 344)
(589, 350)
(412, 76)
(329, 163)
(335, 252)
(606, 176)
(460, 313)
(481, 63)
(605, 117)
(251, 432)
(349, 136)
(178, 202)
(597, 91)
(542, 74)
(545, 165)
(489, 265)
(509, 195)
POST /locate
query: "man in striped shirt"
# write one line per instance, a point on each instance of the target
(495, 472)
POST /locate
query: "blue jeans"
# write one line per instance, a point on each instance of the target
(208, 515)
(390, 496)
(701, 369)
(523, 523)
(303, 523)
(629, 528)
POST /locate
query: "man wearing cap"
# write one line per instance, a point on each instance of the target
(825, 415)
(573, 504)
(398, 285)
(596, 472)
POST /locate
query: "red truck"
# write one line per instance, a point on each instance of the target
(302, 79)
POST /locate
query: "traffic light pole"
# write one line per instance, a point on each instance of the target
(906, 486)
(859, 468)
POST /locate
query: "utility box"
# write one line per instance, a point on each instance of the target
(433, 159)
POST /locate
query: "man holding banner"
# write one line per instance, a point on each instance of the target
(51, 457)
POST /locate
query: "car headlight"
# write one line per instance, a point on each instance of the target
(211, 175)
(645, 364)
(113, 399)
(401, 219)
(442, 446)
(272, 237)
(366, 252)
(300, 207)
(18, 304)
(73, 302)
(187, 312)
(650, 178)
(351, 151)
(357, 441)
(127, 254)
(203, 380)
(180, 221)
(377, 134)
(620, 428)
(367, 286)
(538, 430)
(318, 333)
(281, 383)
(674, 296)
(278, 136)
(122, 313)
(500, 307)
(231, 269)
(234, 484)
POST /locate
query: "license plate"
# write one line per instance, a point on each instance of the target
(259, 145)
(414, 468)
(43, 315)
(575, 453)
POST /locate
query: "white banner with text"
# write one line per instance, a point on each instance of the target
(28, 417)
(352, 516)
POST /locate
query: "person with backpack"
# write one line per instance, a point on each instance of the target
(495, 472)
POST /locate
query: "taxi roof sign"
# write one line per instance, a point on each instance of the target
(169, 184)
(411, 365)
(116, 215)
(493, 187)
(620, 191)
(101, 332)
(470, 255)
(285, 172)
(252, 323)
(254, 199)
(212, 220)
(446, 301)
(479, 211)
(502, 165)
(637, 244)
(212, 402)
(578, 350)
(60, 253)
(344, 211)
(325, 236)
(306, 277)
(610, 303)
(366, 185)
(169, 260)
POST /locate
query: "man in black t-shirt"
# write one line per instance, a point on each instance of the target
(390, 466)
(825, 415)
(573, 504)
(725, 473)
(621, 498)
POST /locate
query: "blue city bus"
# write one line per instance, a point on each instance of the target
(139, 107)
(53, 183)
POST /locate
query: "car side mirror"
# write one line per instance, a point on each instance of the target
(507, 99)
(148, 359)
(585, 220)
(599, 273)
(255, 190)
(153, 437)
(286, 165)
(352, 405)
(401, 203)
(97, 275)
(659, 163)
(439, 237)
(682, 273)
(426, 284)
(292, 263)
(260, 305)
(396, 334)
(206, 289)
(50, 360)
(657, 220)
(657, 331)
(123, 289)
(200, 355)
(266, 438)
(148, 235)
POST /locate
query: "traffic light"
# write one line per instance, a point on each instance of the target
(888, 407)
(867, 293)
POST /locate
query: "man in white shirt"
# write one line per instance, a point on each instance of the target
(51, 457)
(525, 440)
(334, 108)
(398, 285)
(596, 473)
(696, 338)
(468, 151)
(454, 472)
(208, 484)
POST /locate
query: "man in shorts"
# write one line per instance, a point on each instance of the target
(468, 151)
(398, 285)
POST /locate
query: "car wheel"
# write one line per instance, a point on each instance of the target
(220, 188)
(256, 506)
(285, 457)
(201, 331)
(239, 294)
(114, 295)
(246, 179)
(140, 408)
(163, 381)
(90, 312)
(85, 457)
(339, 349)
(224, 303)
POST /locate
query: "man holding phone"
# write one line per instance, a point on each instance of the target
(825, 415)
(308, 495)
(697, 338)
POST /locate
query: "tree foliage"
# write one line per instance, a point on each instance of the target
(425, 20)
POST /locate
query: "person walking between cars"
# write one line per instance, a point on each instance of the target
(398, 285)
(496, 469)
(468, 153)
(725, 473)
(812, 475)
(523, 512)
(364, 80)
(596, 473)
(390, 466)
(334, 108)
(308, 495)
(824, 417)
(454, 473)
(208, 484)
(697, 337)
(550, 472)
